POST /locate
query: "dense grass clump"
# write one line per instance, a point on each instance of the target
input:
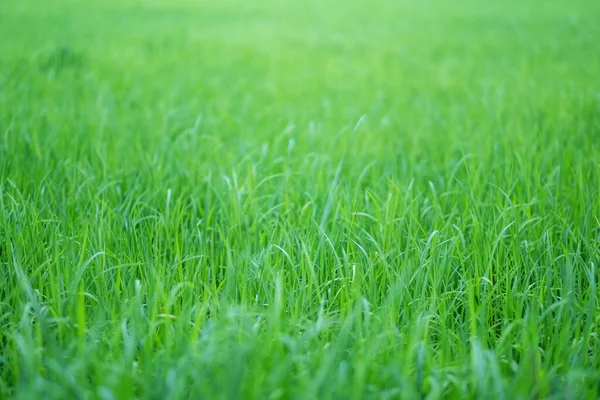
(299, 199)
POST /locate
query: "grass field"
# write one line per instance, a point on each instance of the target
(299, 199)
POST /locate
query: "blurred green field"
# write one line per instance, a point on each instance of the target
(299, 199)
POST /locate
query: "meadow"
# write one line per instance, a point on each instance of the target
(288, 199)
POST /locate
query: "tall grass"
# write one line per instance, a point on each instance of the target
(299, 200)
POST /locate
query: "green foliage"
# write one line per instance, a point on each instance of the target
(299, 199)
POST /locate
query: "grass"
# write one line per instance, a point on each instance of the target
(299, 199)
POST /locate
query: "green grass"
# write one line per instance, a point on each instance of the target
(299, 199)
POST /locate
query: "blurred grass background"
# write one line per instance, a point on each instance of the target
(293, 199)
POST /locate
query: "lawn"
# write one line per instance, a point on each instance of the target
(299, 199)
